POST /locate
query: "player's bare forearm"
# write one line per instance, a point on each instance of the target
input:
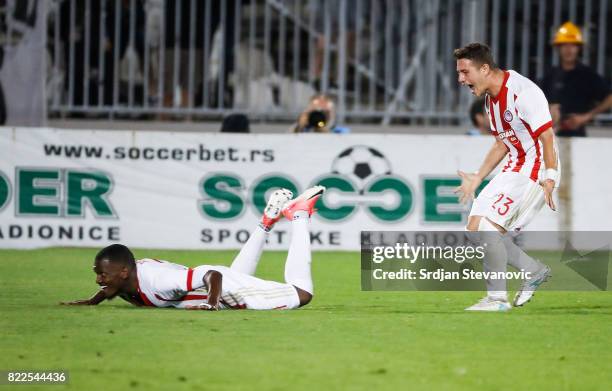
(96, 299)
(214, 282)
(495, 155)
(549, 152)
(551, 162)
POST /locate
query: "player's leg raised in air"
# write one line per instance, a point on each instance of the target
(297, 267)
(240, 289)
(247, 259)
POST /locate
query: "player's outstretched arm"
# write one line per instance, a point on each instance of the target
(94, 300)
(471, 181)
(214, 282)
(551, 176)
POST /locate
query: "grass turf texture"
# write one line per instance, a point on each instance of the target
(345, 339)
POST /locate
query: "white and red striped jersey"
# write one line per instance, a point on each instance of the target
(166, 284)
(518, 115)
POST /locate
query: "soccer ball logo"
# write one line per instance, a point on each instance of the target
(360, 163)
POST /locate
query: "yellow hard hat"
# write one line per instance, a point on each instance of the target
(568, 33)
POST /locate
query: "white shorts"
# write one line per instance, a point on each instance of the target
(243, 291)
(510, 200)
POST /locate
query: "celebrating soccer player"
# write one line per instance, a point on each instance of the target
(150, 282)
(522, 126)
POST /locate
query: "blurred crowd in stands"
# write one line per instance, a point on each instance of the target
(186, 54)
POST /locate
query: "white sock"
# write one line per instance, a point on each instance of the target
(247, 259)
(518, 259)
(496, 258)
(297, 266)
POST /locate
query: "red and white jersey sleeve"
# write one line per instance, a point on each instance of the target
(166, 284)
(532, 108)
(518, 115)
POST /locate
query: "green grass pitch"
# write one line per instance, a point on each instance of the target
(345, 339)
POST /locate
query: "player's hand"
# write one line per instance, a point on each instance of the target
(203, 307)
(469, 184)
(548, 185)
(76, 302)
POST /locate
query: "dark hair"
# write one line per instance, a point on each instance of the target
(477, 52)
(117, 253)
(477, 107)
(235, 123)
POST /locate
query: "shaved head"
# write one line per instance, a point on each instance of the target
(117, 253)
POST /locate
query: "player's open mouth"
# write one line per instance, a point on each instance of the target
(471, 87)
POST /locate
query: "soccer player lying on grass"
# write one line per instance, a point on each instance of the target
(150, 282)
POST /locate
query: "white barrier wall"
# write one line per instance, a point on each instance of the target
(207, 191)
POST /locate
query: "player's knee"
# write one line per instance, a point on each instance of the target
(479, 227)
(480, 223)
(304, 296)
(473, 223)
(488, 225)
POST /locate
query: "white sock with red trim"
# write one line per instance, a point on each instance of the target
(297, 266)
(247, 259)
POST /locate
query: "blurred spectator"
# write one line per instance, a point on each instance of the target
(326, 14)
(575, 92)
(101, 69)
(479, 118)
(235, 123)
(319, 117)
(178, 38)
(154, 11)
